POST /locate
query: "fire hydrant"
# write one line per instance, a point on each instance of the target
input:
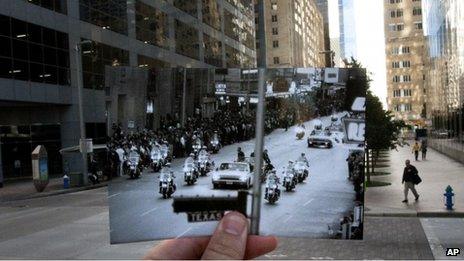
(65, 181)
(449, 198)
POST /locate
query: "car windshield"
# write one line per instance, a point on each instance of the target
(233, 166)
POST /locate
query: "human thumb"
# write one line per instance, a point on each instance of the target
(230, 238)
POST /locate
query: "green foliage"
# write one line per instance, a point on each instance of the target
(382, 131)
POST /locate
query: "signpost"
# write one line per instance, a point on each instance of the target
(40, 168)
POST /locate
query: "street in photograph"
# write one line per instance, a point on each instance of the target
(180, 178)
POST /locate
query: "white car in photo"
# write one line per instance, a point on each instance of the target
(232, 174)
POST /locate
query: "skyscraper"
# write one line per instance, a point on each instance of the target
(443, 26)
(294, 33)
(404, 46)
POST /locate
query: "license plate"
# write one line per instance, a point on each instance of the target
(229, 182)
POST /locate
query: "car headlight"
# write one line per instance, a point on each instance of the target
(215, 177)
(243, 179)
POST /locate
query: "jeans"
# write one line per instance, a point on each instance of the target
(409, 186)
(416, 154)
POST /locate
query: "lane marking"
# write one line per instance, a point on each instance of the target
(184, 232)
(114, 195)
(287, 219)
(149, 211)
(307, 202)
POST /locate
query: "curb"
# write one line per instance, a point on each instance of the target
(54, 193)
(450, 214)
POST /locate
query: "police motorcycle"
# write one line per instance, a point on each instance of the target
(272, 192)
(164, 148)
(204, 164)
(215, 146)
(166, 182)
(190, 171)
(301, 170)
(289, 179)
(196, 147)
(156, 159)
(134, 166)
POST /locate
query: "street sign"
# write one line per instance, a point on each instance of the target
(204, 216)
(354, 130)
(221, 88)
(204, 209)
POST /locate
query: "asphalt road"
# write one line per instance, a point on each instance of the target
(139, 213)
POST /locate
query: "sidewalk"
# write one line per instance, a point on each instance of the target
(437, 172)
(25, 189)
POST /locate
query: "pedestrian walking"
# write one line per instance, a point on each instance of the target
(415, 149)
(424, 149)
(410, 179)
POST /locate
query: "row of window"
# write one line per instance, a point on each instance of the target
(402, 78)
(400, 1)
(401, 64)
(95, 57)
(403, 107)
(400, 26)
(108, 14)
(402, 93)
(400, 50)
(59, 6)
(399, 12)
(30, 52)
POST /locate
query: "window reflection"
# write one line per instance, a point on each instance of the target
(232, 57)
(213, 50)
(59, 6)
(30, 52)
(152, 25)
(190, 6)
(187, 42)
(95, 57)
(211, 14)
(108, 14)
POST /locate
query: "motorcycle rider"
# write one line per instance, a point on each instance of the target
(303, 158)
(240, 155)
(167, 167)
(273, 178)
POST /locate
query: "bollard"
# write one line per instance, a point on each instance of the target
(65, 182)
(449, 198)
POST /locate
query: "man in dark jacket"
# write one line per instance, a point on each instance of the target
(408, 180)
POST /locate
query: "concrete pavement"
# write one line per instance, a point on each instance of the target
(437, 172)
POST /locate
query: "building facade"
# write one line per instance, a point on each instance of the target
(347, 22)
(294, 34)
(405, 62)
(443, 27)
(38, 64)
(323, 7)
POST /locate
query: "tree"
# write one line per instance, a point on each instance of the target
(382, 130)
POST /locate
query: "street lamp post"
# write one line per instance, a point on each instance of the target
(256, 203)
(332, 56)
(78, 50)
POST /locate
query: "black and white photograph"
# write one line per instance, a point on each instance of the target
(199, 160)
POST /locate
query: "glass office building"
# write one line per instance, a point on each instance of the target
(443, 27)
(38, 65)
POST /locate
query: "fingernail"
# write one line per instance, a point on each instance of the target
(234, 224)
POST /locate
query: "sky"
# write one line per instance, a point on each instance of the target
(370, 40)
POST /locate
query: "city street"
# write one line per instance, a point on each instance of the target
(138, 212)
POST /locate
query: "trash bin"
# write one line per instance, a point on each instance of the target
(76, 179)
